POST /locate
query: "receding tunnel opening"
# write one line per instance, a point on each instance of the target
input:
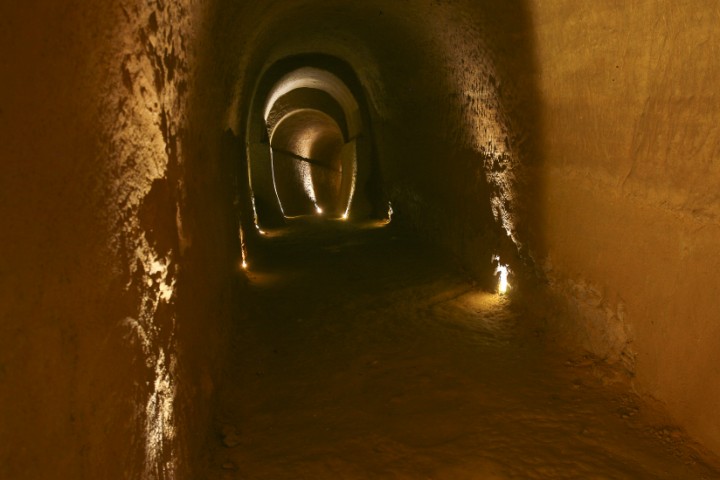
(313, 169)
(313, 153)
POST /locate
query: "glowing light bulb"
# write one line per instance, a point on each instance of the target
(504, 271)
(318, 210)
(389, 214)
(345, 216)
(243, 250)
(503, 284)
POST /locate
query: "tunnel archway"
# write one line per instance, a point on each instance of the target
(313, 168)
(310, 146)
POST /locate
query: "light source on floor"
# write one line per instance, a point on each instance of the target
(318, 209)
(503, 271)
(243, 249)
(345, 216)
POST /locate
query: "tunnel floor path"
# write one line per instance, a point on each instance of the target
(368, 355)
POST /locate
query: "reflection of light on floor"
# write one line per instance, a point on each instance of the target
(266, 279)
(305, 173)
(318, 210)
(481, 301)
(482, 317)
(275, 232)
(372, 224)
(345, 216)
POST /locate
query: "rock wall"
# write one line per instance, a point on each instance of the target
(629, 201)
(101, 377)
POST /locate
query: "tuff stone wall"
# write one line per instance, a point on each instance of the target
(630, 201)
(93, 128)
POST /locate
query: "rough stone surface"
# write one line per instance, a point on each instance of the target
(578, 142)
(629, 199)
(93, 110)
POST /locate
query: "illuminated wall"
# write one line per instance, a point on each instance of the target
(94, 130)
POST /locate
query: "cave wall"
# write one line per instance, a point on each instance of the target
(100, 377)
(630, 197)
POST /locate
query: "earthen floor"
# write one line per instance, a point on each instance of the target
(367, 355)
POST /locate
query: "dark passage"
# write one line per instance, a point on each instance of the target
(366, 354)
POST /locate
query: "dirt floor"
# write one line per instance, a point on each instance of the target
(368, 355)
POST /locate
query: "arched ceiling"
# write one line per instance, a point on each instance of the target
(315, 78)
(306, 98)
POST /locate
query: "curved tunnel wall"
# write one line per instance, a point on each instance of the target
(299, 82)
(308, 149)
(307, 164)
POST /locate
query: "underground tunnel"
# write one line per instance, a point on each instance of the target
(326, 239)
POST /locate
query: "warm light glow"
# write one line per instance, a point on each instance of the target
(254, 209)
(345, 216)
(305, 172)
(504, 271)
(315, 78)
(390, 213)
(353, 179)
(318, 210)
(158, 405)
(243, 250)
(274, 181)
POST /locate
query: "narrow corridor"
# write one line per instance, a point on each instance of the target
(146, 144)
(368, 355)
